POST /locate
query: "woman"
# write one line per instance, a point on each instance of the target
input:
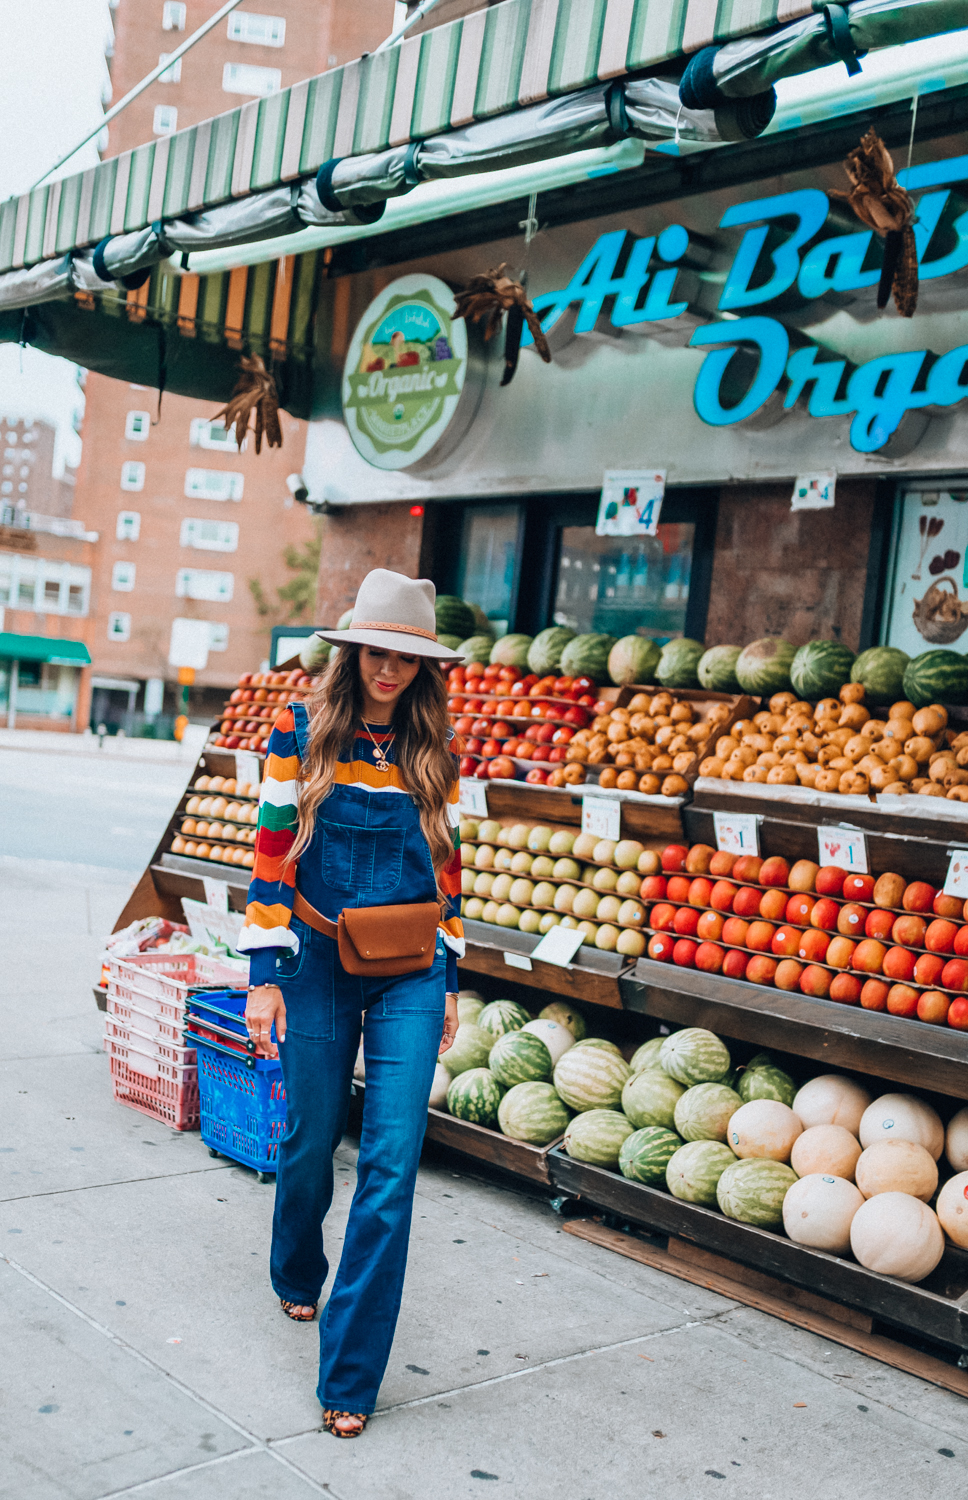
(358, 809)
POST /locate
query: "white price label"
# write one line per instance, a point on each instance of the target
(518, 961)
(473, 798)
(210, 926)
(846, 847)
(558, 946)
(956, 880)
(216, 893)
(247, 770)
(601, 817)
(737, 833)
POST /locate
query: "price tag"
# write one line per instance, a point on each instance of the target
(737, 833)
(216, 893)
(846, 847)
(601, 817)
(212, 927)
(473, 798)
(558, 946)
(518, 961)
(247, 769)
(956, 880)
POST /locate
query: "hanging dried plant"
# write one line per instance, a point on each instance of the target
(883, 205)
(255, 396)
(486, 298)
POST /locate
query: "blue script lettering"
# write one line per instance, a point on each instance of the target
(767, 336)
(809, 207)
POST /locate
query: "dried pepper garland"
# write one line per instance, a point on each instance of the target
(488, 297)
(255, 396)
(883, 205)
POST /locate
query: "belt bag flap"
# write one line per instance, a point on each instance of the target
(382, 933)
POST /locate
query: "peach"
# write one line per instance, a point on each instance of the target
(734, 964)
(761, 969)
(787, 976)
(798, 909)
(961, 941)
(773, 905)
(899, 964)
(918, 896)
(654, 888)
(933, 1007)
(902, 1000)
(954, 975)
(678, 887)
(845, 988)
(747, 867)
(947, 906)
(721, 864)
(684, 953)
(879, 924)
(958, 1014)
(662, 917)
(803, 875)
(699, 858)
(830, 880)
(888, 891)
(910, 931)
(874, 994)
(709, 957)
(929, 969)
(674, 857)
(813, 945)
(840, 954)
(939, 936)
(710, 926)
(700, 891)
(760, 936)
(774, 871)
(859, 887)
(686, 921)
(869, 957)
(746, 902)
(825, 914)
(734, 932)
(661, 947)
(721, 896)
(785, 942)
(815, 981)
(851, 919)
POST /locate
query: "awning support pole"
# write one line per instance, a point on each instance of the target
(12, 694)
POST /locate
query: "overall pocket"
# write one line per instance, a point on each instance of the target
(362, 860)
(309, 992)
(289, 965)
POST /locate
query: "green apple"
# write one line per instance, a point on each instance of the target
(604, 880)
(607, 938)
(608, 908)
(544, 894)
(484, 883)
(521, 862)
(530, 921)
(627, 853)
(567, 869)
(539, 838)
(561, 842)
(508, 915)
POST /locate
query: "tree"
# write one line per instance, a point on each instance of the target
(297, 597)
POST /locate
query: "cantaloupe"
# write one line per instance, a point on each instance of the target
(894, 1166)
(902, 1117)
(831, 1100)
(953, 1209)
(818, 1211)
(956, 1140)
(825, 1148)
(897, 1235)
(439, 1087)
(763, 1127)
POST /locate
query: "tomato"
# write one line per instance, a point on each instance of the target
(576, 716)
(525, 750)
(489, 706)
(533, 733)
(542, 752)
(505, 707)
(546, 733)
(523, 709)
(490, 748)
(473, 705)
(583, 684)
(602, 706)
(474, 669)
(481, 727)
(492, 671)
(510, 747)
(464, 725)
(542, 688)
(588, 700)
(245, 679)
(501, 730)
(518, 689)
(525, 684)
(454, 705)
(558, 753)
(483, 771)
(231, 742)
(236, 696)
(510, 674)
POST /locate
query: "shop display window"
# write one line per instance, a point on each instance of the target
(927, 594)
(490, 546)
(625, 585)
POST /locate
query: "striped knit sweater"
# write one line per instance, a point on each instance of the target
(266, 932)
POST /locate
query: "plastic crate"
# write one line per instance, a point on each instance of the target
(219, 1018)
(171, 976)
(172, 1101)
(243, 1106)
(162, 1049)
(161, 1019)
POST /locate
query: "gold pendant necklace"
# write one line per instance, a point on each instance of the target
(379, 753)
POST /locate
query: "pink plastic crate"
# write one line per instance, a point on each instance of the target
(164, 1098)
(162, 1019)
(161, 1049)
(169, 976)
(145, 1057)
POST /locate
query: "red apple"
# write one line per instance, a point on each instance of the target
(710, 927)
(830, 880)
(803, 875)
(490, 749)
(760, 936)
(798, 909)
(747, 867)
(678, 887)
(899, 964)
(874, 994)
(773, 905)
(787, 976)
(774, 871)
(954, 975)
(662, 917)
(840, 954)
(918, 896)
(710, 957)
(674, 857)
(686, 921)
(869, 957)
(468, 765)
(825, 914)
(958, 1014)
(785, 942)
(845, 988)
(910, 931)
(734, 964)
(761, 969)
(653, 888)
(947, 906)
(902, 1000)
(813, 945)
(660, 948)
(879, 924)
(816, 981)
(859, 887)
(721, 864)
(929, 968)
(722, 895)
(537, 777)
(501, 768)
(933, 1007)
(684, 954)
(746, 902)
(888, 891)
(699, 859)
(700, 891)
(734, 932)
(851, 919)
(961, 940)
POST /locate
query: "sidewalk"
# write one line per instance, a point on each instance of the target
(144, 1352)
(113, 747)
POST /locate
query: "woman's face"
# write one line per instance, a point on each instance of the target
(384, 675)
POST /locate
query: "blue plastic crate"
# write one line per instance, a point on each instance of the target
(243, 1106)
(219, 1018)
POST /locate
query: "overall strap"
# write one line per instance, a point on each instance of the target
(300, 720)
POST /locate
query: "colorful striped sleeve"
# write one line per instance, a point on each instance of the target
(451, 926)
(269, 907)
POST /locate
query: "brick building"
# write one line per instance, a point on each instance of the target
(27, 481)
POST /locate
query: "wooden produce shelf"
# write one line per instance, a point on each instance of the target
(912, 1053)
(591, 976)
(652, 820)
(177, 876)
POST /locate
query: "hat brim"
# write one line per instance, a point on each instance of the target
(391, 640)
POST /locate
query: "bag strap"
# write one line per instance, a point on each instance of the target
(300, 719)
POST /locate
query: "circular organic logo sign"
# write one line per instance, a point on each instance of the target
(404, 372)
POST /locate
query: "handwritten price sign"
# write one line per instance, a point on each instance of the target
(737, 833)
(473, 798)
(956, 880)
(845, 847)
(601, 817)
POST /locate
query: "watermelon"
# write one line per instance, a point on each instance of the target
(452, 642)
(703, 1112)
(533, 1112)
(766, 1083)
(753, 1191)
(597, 1136)
(345, 620)
(481, 621)
(647, 1056)
(587, 656)
(453, 616)
(470, 1049)
(520, 1057)
(503, 1015)
(599, 1041)
(591, 1078)
(469, 1006)
(474, 1096)
(476, 648)
(510, 651)
(678, 663)
(694, 1171)
(544, 653)
(694, 1056)
(650, 1098)
(646, 1154)
(633, 659)
(566, 1016)
(820, 668)
(763, 667)
(314, 656)
(936, 677)
(881, 673)
(716, 669)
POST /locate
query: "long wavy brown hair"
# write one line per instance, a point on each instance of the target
(420, 746)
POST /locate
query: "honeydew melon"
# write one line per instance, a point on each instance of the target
(952, 1209)
(897, 1235)
(956, 1140)
(557, 1039)
(819, 1209)
(565, 1015)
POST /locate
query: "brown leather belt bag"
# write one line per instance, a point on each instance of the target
(378, 941)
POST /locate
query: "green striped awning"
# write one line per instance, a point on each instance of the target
(490, 62)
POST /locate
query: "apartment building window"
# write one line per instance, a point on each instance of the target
(129, 525)
(262, 31)
(209, 536)
(132, 474)
(172, 74)
(165, 119)
(213, 435)
(137, 425)
(122, 577)
(201, 583)
(119, 626)
(173, 15)
(242, 78)
(218, 639)
(213, 484)
(6, 487)
(43, 584)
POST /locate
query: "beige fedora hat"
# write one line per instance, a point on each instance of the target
(394, 613)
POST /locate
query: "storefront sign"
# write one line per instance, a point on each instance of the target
(631, 502)
(404, 372)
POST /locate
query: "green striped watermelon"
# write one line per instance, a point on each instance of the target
(474, 1096)
(753, 1191)
(314, 656)
(566, 1016)
(694, 1055)
(544, 653)
(647, 1056)
(511, 651)
(587, 656)
(520, 1057)
(476, 648)
(533, 1112)
(590, 1078)
(452, 642)
(716, 669)
(650, 1098)
(469, 1006)
(646, 1154)
(936, 677)
(763, 667)
(703, 1112)
(503, 1015)
(599, 1041)
(820, 668)
(471, 1049)
(766, 1083)
(597, 1136)
(695, 1169)
(453, 616)
(345, 620)
(678, 663)
(634, 658)
(880, 671)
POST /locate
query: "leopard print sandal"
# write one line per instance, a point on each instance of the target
(289, 1308)
(330, 1419)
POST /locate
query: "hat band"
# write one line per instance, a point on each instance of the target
(399, 629)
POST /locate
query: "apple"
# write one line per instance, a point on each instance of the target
(501, 768)
(761, 969)
(787, 976)
(798, 909)
(845, 988)
(803, 875)
(746, 902)
(947, 906)
(874, 994)
(869, 957)
(899, 964)
(674, 858)
(840, 954)
(734, 964)
(648, 862)
(825, 914)
(929, 968)
(785, 942)
(859, 887)
(700, 891)
(888, 891)
(699, 859)
(902, 1000)
(721, 863)
(686, 921)
(851, 919)
(961, 940)
(954, 975)
(910, 931)
(710, 926)
(660, 948)
(816, 981)
(830, 880)
(721, 898)
(747, 867)
(653, 888)
(684, 953)
(678, 888)
(813, 945)
(958, 1014)
(933, 1007)
(774, 871)
(773, 905)
(734, 932)
(879, 924)
(919, 896)
(760, 936)
(662, 916)
(710, 958)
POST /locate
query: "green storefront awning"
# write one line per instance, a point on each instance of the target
(44, 648)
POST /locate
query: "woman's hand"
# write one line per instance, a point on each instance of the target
(450, 1024)
(264, 1007)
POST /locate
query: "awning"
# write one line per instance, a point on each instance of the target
(44, 648)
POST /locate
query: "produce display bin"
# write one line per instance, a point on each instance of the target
(591, 976)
